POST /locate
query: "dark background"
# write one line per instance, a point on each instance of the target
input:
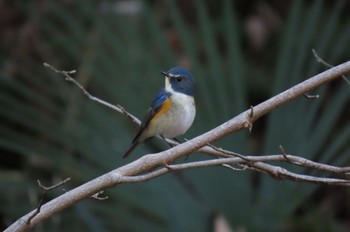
(240, 52)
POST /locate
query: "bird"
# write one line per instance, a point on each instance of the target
(172, 110)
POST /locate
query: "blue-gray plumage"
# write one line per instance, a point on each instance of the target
(172, 110)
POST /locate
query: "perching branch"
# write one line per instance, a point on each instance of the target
(152, 165)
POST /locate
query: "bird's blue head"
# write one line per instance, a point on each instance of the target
(180, 80)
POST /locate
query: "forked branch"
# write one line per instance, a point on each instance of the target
(153, 165)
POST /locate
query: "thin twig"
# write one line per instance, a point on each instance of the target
(53, 186)
(240, 169)
(228, 153)
(308, 96)
(283, 151)
(117, 108)
(97, 196)
(320, 60)
(45, 190)
(251, 116)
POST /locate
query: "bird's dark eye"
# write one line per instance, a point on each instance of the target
(178, 79)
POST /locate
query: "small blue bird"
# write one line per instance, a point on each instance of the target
(172, 111)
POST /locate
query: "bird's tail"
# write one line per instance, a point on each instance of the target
(130, 149)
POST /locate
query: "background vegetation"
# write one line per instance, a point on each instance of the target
(240, 52)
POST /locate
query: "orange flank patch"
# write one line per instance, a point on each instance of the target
(163, 109)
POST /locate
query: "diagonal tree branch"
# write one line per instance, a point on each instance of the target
(117, 108)
(147, 167)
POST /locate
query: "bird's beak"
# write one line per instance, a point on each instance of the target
(164, 74)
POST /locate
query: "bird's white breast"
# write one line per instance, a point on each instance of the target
(179, 118)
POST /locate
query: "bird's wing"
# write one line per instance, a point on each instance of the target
(159, 104)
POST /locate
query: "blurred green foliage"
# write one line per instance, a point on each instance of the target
(240, 53)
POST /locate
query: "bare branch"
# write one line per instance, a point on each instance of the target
(230, 167)
(53, 186)
(282, 173)
(256, 163)
(152, 165)
(117, 108)
(250, 160)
